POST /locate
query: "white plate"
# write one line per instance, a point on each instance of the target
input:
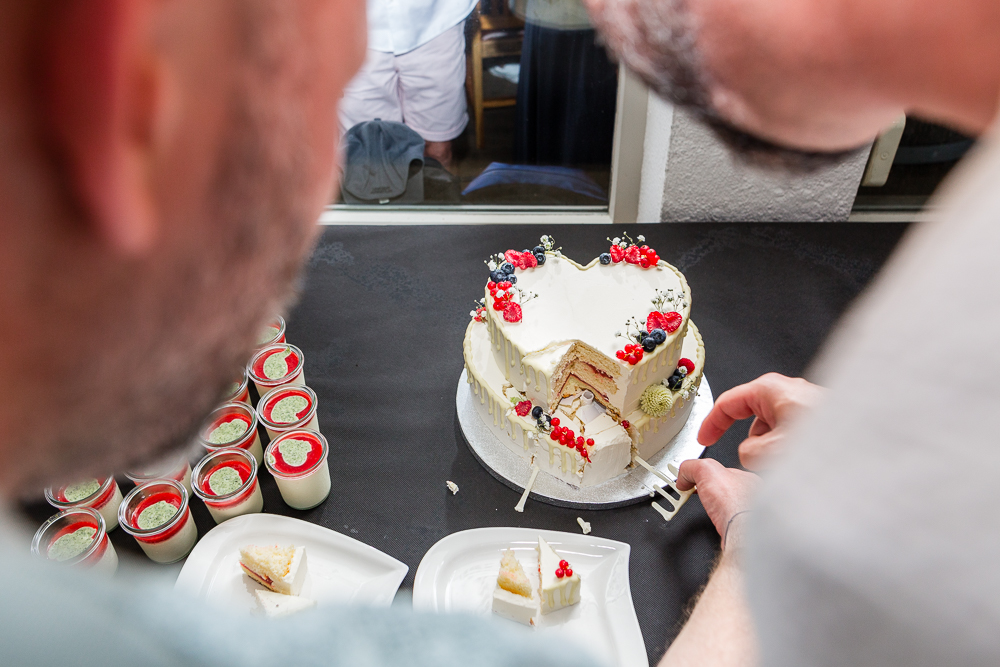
(339, 569)
(459, 573)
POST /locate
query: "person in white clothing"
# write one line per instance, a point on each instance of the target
(874, 539)
(414, 71)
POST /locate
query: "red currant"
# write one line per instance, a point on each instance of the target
(555, 421)
(491, 285)
(568, 572)
(625, 424)
(563, 564)
(644, 262)
(590, 441)
(580, 440)
(620, 354)
(560, 573)
(505, 285)
(498, 305)
(554, 435)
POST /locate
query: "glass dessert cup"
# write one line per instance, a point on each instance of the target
(176, 468)
(105, 498)
(276, 366)
(165, 535)
(240, 390)
(298, 461)
(273, 410)
(214, 484)
(225, 422)
(77, 537)
(273, 333)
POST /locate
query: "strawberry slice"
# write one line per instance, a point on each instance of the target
(512, 312)
(523, 408)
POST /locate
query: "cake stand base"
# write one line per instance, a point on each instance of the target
(633, 486)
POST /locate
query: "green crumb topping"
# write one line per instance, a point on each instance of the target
(155, 515)
(276, 366)
(224, 481)
(81, 490)
(267, 335)
(294, 452)
(287, 410)
(227, 432)
(72, 544)
(656, 400)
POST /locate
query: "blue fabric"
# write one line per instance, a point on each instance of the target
(564, 178)
(61, 616)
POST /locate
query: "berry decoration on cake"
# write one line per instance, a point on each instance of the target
(558, 585)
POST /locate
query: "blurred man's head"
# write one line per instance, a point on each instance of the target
(164, 164)
(815, 76)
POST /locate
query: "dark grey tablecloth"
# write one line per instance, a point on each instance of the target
(381, 320)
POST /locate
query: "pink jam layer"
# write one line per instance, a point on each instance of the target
(101, 501)
(72, 528)
(166, 496)
(243, 470)
(269, 408)
(292, 360)
(226, 419)
(315, 454)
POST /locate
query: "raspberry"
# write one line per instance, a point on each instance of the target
(632, 255)
(530, 261)
(511, 256)
(686, 363)
(617, 254)
(523, 408)
(512, 312)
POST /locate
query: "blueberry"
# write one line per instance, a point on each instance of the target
(538, 250)
(675, 381)
(512, 279)
(525, 251)
(649, 344)
(659, 335)
(536, 411)
(605, 258)
(540, 256)
(498, 276)
(507, 268)
(643, 336)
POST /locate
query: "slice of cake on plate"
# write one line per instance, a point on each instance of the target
(513, 597)
(280, 569)
(558, 584)
(276, 605)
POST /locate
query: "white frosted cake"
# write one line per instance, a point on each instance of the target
(578, 367)
(558, 584)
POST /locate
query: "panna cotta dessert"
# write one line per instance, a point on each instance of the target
(275, 366)
(279, 569)
(558, 584)
(298, 461)
(288, 409)
(513, 597)
(176, 468)
(232, 426)
(226, 481)
(77, 537)
(157, 515)
(101, 493)
(239, 390)
(273, 333)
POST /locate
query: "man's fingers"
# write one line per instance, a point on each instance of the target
(695, 471)
(759, 426)
(747, 400)
(755, 450)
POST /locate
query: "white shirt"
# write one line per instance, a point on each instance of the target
(877, 537)
(399, 26)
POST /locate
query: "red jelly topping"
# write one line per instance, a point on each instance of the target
(269, 408)
(315, 454)
(258, 366)
(242, 469)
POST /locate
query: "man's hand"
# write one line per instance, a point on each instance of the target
(724, 492)
(773, 400)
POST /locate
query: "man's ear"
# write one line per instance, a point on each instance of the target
(98, 97)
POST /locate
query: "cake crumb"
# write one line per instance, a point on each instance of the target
(451, 486)
(584, 525)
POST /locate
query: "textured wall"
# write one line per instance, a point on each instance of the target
(704, 182)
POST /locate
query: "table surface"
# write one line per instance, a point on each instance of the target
(381, 319)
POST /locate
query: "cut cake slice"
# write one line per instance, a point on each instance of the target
(556, 588)
(513, 597)
(280, 569)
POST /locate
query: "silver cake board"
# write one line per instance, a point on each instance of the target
(630, 488)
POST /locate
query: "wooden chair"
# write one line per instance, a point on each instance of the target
(497, 33)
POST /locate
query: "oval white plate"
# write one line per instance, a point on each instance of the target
(339, 569)
(459, 573)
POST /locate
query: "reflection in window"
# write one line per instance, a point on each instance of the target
(479, 103)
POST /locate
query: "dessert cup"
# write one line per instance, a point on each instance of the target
(211, 438)
(227, 503)
(240, 390)
(301, 471)
(165, 537)
(270, 411)
(176, 468)
(105, 499)
(273, 333)
(290, 373)
(60, 540)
